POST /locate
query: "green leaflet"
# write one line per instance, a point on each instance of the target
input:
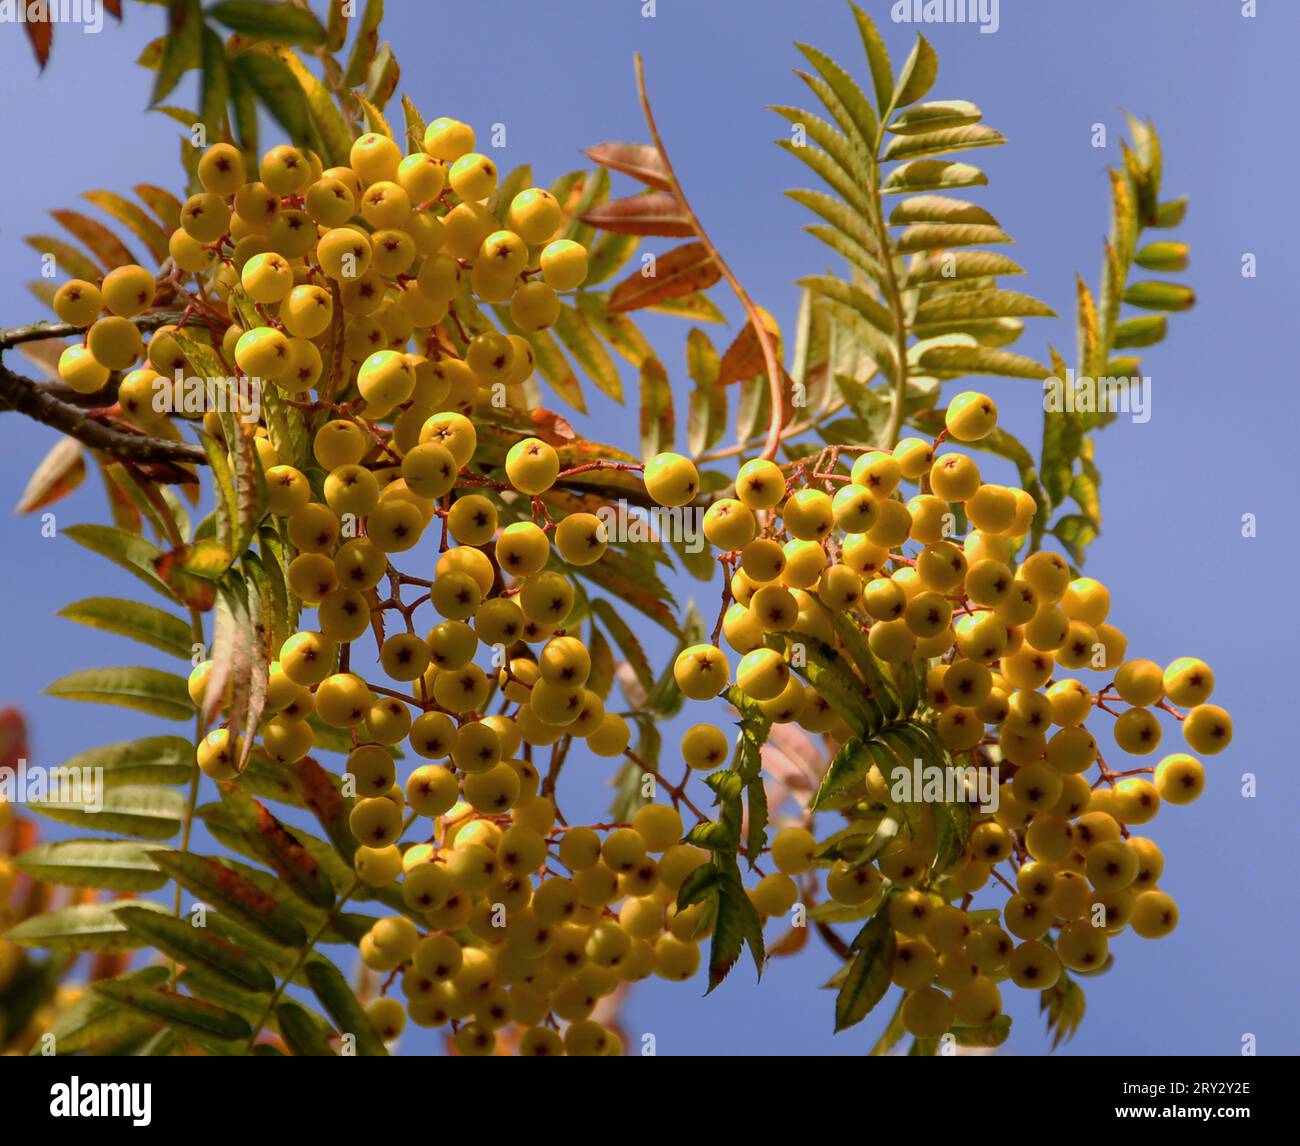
(117, 865)
(736, 923)
(85, 927)
(279, 92)
(179, 938)
(217, 883)
(579, 338)
(304, 1033)
(850, 763)
(869, 972)
(823, 668)
(626, 640)
(748, 764)
(243, 503)
(982, 360)
(274, 23)
(214, 91)
(993, 1034)
(892, 1035)
(181, 47)
(142, 810)
(754, 729)
(1063, 1007)
(881, 688)
(132, 552)
(917, 75)
(850, 108)
(153, 760)
(186, 1016)
(144, 623)
(97, 1024)
(932, 175)
(363, 47)
(981, 304)
(938, 115)
(341, 1005)
(942, 140)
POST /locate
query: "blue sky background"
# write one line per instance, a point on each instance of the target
(1221, 90)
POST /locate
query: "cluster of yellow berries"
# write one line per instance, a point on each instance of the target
(499, 951)
(389, 241)
(510, 941)
(529, 922)
(998, 642)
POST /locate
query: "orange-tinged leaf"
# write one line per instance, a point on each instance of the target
(134, 218)
(319, 792)
(744, 357)
(680, 272)
(162, 203)
(191, 572)
(659, 214)
(13, 738)
(609, 575)
(67, 256)
(278, 847)
(125, 514)
(231, 894)
(101, 242)
(791, 943)
(639, 160)
(59, 473)
(40, 34)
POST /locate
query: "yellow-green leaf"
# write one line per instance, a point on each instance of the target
(143, 689)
